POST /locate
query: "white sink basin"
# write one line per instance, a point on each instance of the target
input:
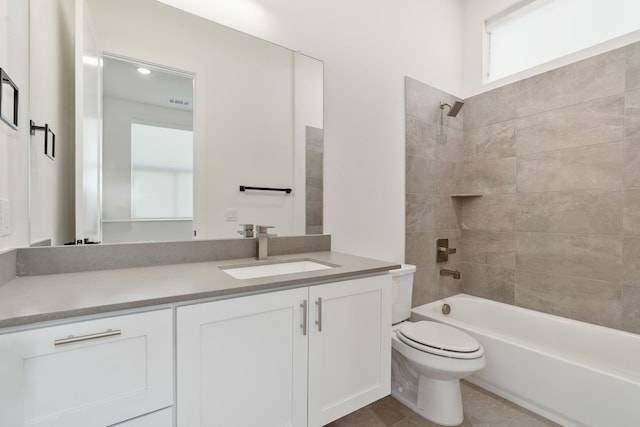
(274, 268)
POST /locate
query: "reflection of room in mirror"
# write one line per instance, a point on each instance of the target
(147, 153)
(314, 178)
(9, 98)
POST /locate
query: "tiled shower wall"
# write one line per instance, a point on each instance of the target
(557, 159)
(433, 172)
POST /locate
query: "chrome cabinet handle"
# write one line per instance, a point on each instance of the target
(319, 321)
(71, 339)
(304, 317)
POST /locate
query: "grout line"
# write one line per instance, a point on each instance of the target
(517, 117)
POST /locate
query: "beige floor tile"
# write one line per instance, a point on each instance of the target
(481, 409)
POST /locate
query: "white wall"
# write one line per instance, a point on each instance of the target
(474, 14)
(14, 144)
(368, 46)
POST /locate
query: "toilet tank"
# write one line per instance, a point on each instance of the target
(401, 292)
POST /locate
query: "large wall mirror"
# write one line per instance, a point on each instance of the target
(162, 156)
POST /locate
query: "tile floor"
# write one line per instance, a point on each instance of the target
(481, 409)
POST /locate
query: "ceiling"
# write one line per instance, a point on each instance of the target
(161, 87)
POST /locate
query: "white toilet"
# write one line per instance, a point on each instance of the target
(429, 358)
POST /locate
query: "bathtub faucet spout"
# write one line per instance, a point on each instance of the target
(454, 273)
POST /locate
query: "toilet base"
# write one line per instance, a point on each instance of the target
(439, 401)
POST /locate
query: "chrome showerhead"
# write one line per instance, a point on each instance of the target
(453, 111)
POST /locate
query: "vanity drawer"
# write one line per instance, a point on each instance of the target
(97, 372)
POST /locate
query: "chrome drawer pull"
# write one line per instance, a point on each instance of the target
(304, 317)
(71, 339)
(319, 321)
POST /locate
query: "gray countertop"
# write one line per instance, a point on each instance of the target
(31, 299)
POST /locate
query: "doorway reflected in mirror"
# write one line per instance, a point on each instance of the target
(147, 152)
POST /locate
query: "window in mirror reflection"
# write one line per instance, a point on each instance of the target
(161, 172)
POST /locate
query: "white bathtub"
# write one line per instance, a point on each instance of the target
(571, 372)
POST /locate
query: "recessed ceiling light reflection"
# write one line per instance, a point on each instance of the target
(144, 71)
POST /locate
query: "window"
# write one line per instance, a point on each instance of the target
(161, 172)
(537, 31)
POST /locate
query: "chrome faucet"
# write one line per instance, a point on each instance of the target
(262, 238)
(454, 273)
(247, 230)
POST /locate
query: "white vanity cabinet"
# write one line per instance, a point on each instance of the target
(257, 360)
(89, 373)
(349, 346)
(243, 361)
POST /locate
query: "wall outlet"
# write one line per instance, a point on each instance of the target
(232, 214)
(5, 218)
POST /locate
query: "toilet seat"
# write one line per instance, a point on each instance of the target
(439, 339)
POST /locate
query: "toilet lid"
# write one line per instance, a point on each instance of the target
(439, 336)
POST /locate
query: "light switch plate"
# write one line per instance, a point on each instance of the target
(5, 218)
(232, 214)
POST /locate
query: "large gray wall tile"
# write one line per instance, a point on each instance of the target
(489, 176)
(577, 298)
(425, 176)
(577, 255)
(421, 247)
(490, 282)
(314, 229)
(491, 212)
(631, 261)
(314, 172)
(496, 248)
(631, 219)
(314, 189)
(430, 286)
(420, 250)
(592, 167)
(490, 142)
(630, 312)
(574, 83)
(314, 138)
(632, 163)
(491, 107)
(633, 67)
(432, 140)
(588, 123)
(428, 213)
(632, 114)
(314, 213)
(588, 211)
(314, 164)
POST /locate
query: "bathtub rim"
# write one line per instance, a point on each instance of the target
(620, 374)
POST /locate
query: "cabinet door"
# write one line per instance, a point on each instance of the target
(92, 373)
(243, 362)
(349, 346)
(163, 418)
